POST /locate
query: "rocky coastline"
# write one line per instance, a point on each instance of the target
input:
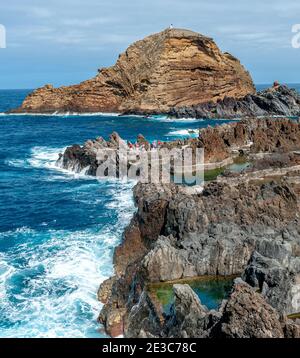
(242, 224)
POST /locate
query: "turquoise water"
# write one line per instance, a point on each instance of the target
(58, 230)
(211, 292)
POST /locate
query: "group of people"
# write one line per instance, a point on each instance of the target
(144, 146)
(156, 144)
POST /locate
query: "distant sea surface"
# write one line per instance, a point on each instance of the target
(261, 87)
(58, 229)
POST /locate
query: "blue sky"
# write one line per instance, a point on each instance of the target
(66, 41)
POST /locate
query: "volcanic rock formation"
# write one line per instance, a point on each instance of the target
(170, 69)
(278, 100)
(219, 143)
(247, 224)
(249, 229)
(245, 315)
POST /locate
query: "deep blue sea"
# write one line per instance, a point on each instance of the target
(58, 229)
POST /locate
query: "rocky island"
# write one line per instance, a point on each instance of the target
(171, 69)
(241, 224)
(176, 72)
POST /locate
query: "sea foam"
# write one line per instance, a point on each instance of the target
(63, 271)
(49, 281)
(183, 133)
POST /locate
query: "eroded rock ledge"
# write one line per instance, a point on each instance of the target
(250, 229)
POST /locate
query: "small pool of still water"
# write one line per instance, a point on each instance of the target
(211, 291)
(237, 166)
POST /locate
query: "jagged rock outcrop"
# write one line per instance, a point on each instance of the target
(173, 68)
(252, 134)
(144, 320)
(277, 275)
(278, 100)
(280, 135)
(208, 241)
(245, 314)
(212, 233)
(188, 317)
(91, 155)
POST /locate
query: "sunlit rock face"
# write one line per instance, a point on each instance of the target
(170, 69)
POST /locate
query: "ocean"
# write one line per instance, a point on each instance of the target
(58, 229)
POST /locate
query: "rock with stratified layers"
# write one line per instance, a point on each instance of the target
(170, 69)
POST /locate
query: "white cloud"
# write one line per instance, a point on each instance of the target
(82, 22)
(39, 12)
(254, 31)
